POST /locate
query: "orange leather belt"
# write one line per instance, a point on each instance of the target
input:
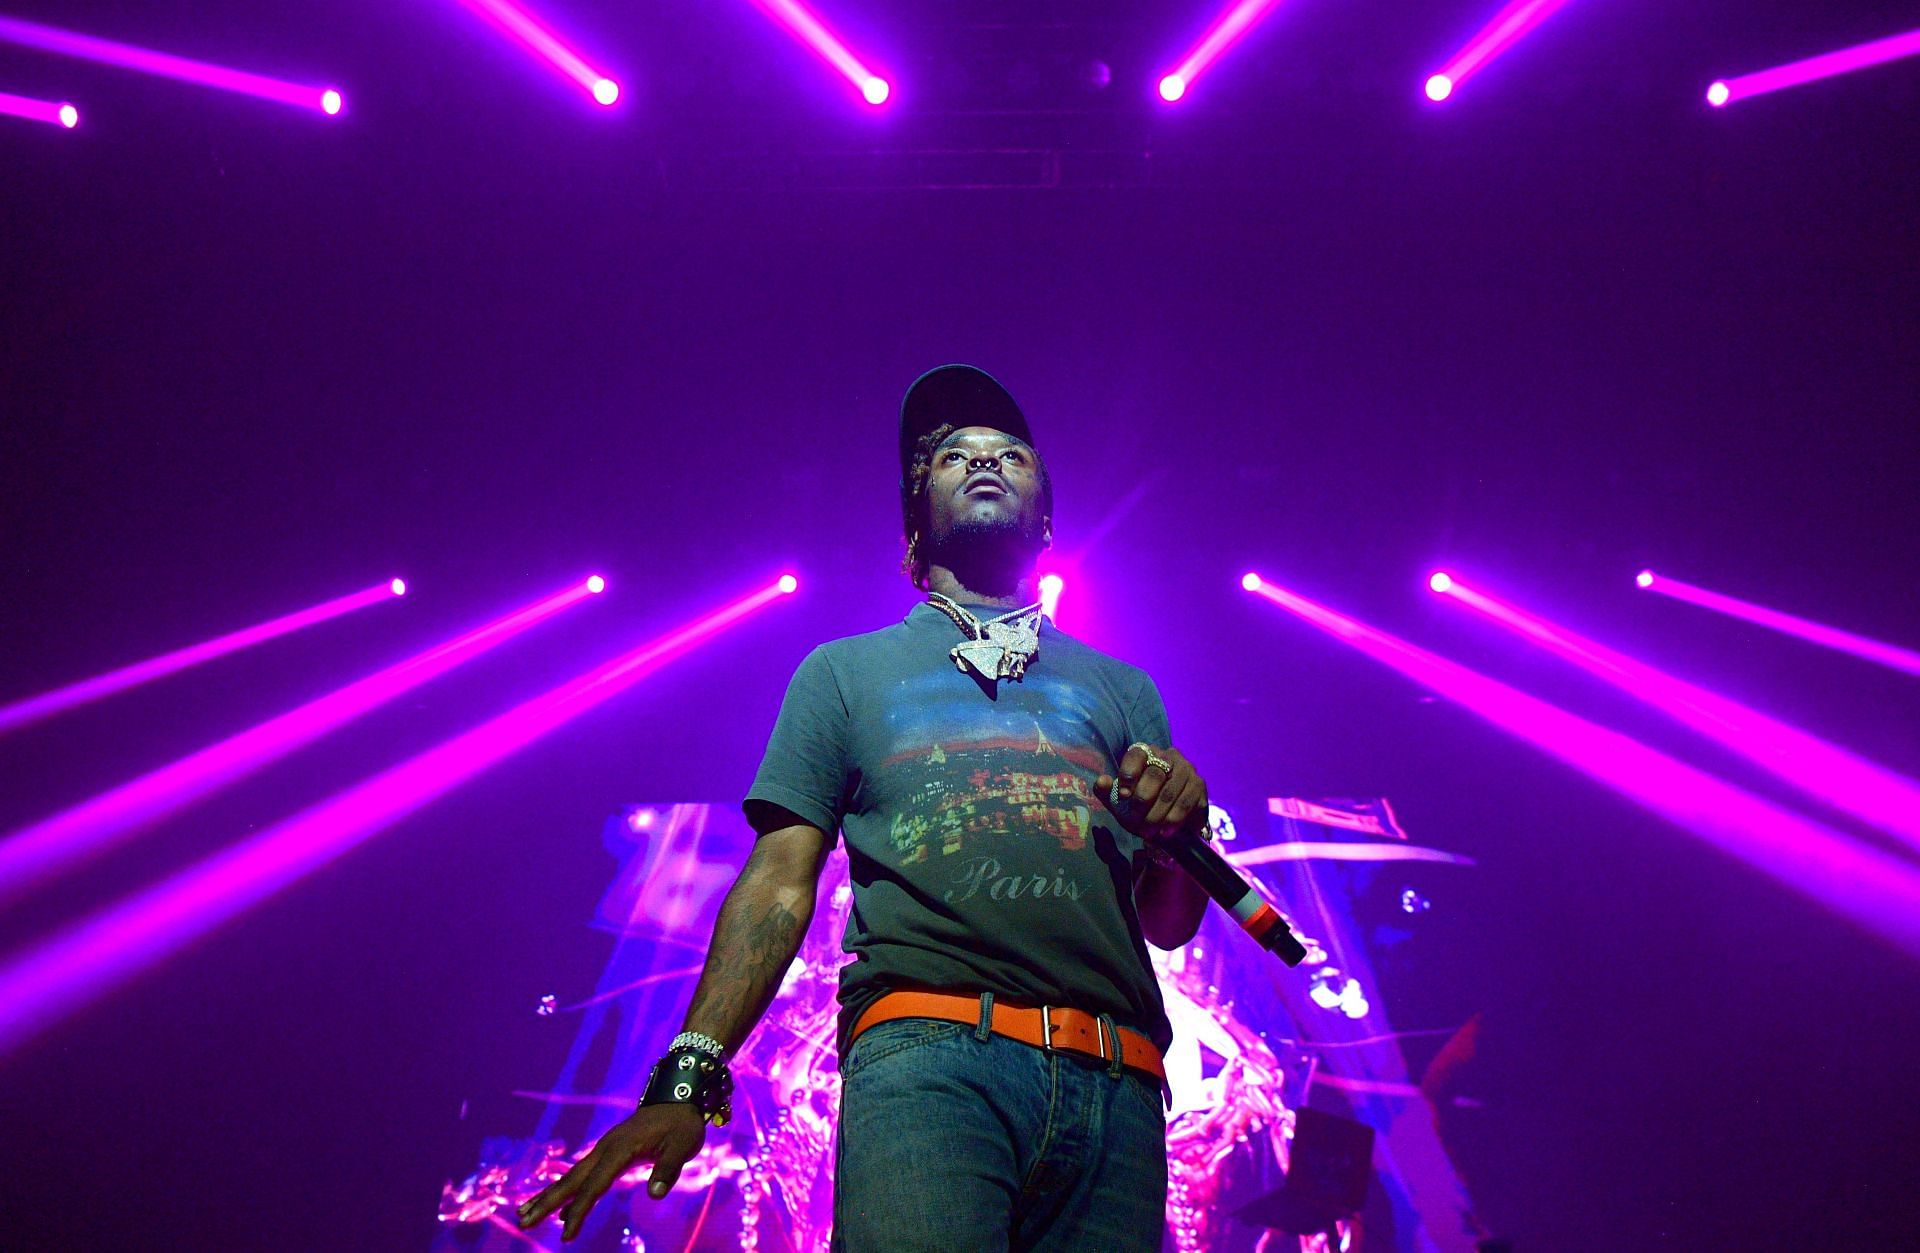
(1049, 1027)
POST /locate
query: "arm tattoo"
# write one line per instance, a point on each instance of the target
(754, 941)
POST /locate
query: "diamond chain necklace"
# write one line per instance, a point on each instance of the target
(998, 648)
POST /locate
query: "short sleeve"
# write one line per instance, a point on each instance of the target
(1147, 715)
(806, 764)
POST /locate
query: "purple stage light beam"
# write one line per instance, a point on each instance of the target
(1849, 783)
(1227, 30)
(49, 703)
(1874, 889)
(99, 953)
(56, 112)
(1890, 655)
(1507, 28)
(1727, 90)
(517, 23)
(105, 51)
(33, 854)
(804, 25)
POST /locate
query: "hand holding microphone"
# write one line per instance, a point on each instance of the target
(1158, 795)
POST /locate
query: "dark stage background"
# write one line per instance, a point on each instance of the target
(480, 334)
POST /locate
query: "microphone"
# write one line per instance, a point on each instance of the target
(1229, 889)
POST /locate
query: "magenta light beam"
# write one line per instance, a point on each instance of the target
(86, 47)
(95, 955)
(1891, 655)
(517, 23)
(806, 27)
(1507, 28)
(1849, 783)
(1875, 889)
(57, 112)
(31, 855)
(1727, 90)
(48, 703)
(1227, 30)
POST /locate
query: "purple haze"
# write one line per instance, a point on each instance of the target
(90, 48)
(1506, 28)
(91, 957)
(58, 112)
(1874, 889)
(1227, 30)
(1849, 783)
(526, 28)
(49, 703)
(1826, 65)
(1803, 628)
(803, 24)
(32, 854)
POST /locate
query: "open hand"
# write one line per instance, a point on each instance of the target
(666, 1135)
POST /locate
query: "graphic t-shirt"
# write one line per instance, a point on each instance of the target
(980, 857)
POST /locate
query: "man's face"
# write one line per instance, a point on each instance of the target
(985, 488)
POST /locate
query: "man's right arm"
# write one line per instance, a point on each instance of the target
(761, 924)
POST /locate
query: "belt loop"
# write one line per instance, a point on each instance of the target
(985, 1028)
(1116, 1067)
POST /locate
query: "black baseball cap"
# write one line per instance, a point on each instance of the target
(964, 395)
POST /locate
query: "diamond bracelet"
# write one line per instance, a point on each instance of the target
(698, 1042)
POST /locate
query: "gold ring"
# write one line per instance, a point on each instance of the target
(1159, 763)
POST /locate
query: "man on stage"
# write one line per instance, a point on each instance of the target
(1000, 1028)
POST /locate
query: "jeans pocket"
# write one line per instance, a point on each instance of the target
(1147, 1089)
(901, 1035)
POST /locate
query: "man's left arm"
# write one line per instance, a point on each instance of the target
(1169, 902)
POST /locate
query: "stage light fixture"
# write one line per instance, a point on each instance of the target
(49, 703)
(1846, 60)
(1890, 655)
(32, 854)
(1875, 889)
(596, 584)
(1847, 782)
(1250, 581)
(1228, 29)
(520, 24)
(398, 587)
(805, 26)
(165, 65)
(1505, 29)
(86, 960)
(55, 112)
(1644, 579)
(1441, 581)
(788, 583)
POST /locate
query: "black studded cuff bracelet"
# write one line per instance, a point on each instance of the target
(691, 1077)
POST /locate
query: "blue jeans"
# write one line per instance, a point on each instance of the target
(955, 1140)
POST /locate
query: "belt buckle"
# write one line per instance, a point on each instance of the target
(1046, 1027)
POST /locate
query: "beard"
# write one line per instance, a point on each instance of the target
(1011, 532)
(989, 553)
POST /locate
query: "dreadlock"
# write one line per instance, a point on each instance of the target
(914, 515)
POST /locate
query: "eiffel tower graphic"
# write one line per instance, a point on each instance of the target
(1042, 745)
